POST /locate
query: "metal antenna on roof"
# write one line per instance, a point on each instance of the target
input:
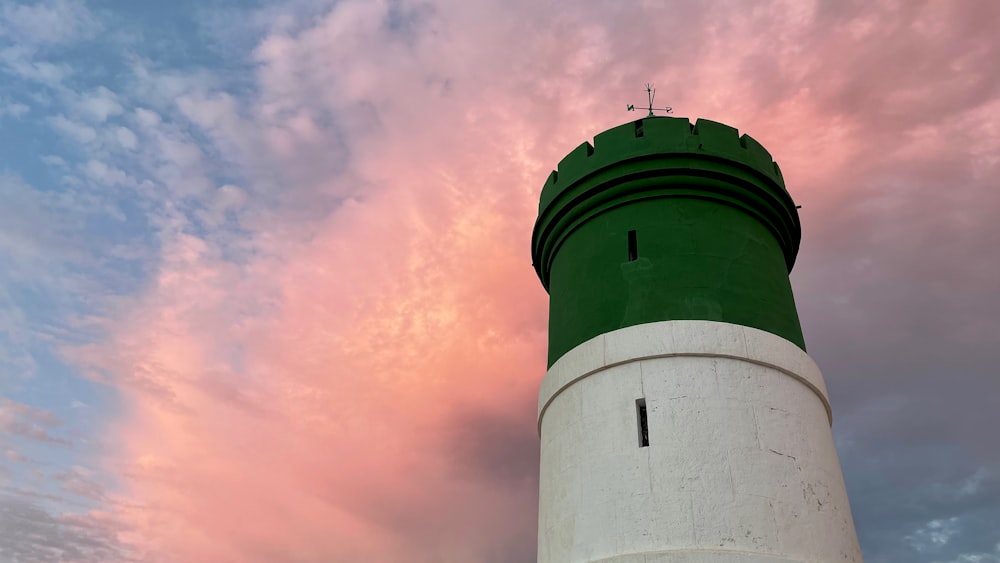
(651, 93)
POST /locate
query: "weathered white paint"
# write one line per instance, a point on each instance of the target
(741, 464)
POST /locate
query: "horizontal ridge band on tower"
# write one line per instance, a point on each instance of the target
(663, 157)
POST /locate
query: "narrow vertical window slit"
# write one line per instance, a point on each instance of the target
(640, 410)
(633, 248)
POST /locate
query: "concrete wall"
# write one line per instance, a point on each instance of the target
(740, 466)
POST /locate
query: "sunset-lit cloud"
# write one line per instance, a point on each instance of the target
(266, 289)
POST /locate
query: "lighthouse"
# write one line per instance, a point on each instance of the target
(681, 419)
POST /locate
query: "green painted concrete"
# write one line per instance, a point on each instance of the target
(717, 233)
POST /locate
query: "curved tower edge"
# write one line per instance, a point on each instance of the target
(710, 339)
(689, 441)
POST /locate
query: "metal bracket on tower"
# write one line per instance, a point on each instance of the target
(650, 93)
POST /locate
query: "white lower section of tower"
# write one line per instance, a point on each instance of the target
(740, 464)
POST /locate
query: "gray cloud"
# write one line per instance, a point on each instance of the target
(897, 286)
(31, 534)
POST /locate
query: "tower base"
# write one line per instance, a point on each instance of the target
(692, 441)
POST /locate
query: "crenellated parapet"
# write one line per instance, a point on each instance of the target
(663, 157)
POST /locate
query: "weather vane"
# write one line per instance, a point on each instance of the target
(650, 93)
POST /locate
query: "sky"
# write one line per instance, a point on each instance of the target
(266, 290)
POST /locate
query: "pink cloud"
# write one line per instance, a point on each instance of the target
(360, 385)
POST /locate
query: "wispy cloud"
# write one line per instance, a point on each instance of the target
(48, 22)
(12, 109)
(29, 422)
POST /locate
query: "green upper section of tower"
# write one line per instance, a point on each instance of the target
(662, 220)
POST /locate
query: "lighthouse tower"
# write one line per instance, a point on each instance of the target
(681, 419)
